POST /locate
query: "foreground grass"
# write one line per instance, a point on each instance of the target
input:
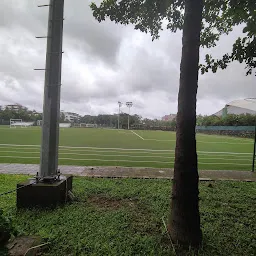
(123, 217)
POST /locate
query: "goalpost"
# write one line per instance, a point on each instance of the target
(19, 123)
(85, 125)
(15, 122)
(39, 122)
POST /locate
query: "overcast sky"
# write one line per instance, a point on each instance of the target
(104, 63)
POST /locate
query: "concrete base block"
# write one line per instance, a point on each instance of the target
(44, 195)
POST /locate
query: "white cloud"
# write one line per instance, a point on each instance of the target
(104, 63)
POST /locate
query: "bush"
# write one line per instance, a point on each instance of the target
(229, 120)
(6, 228)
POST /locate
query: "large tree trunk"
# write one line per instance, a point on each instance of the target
(184, 221)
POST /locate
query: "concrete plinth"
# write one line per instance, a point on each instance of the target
(43, 195)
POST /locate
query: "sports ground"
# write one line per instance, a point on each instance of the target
(106, 147)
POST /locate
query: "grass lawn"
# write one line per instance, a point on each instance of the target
(102, 147)
(124, 217)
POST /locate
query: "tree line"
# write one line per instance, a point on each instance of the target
(111, 120)
(136, 121)
(19, 113)
(229, 120)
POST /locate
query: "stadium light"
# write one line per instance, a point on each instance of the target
(119, 107)
(58, 186)
(129, 105)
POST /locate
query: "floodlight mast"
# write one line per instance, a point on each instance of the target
(52, 85)
(119, 107)
(129, 105)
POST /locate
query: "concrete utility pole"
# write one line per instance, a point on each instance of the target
(129, 105)
(119, 107)
(31, 193)
(51, 109)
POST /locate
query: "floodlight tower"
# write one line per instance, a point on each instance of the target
(129, 105)
(51, 109)
(119, 107)
(35, 193)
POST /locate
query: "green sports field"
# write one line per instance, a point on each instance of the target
(103, 147)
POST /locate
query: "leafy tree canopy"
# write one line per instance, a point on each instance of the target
(219, 17)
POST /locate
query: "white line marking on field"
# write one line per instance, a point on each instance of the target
(70, 147)
(18, 148)
(128, 161)
(137, 135)
(224, 153)
(92, 150)
(225, 164)
(78, 159)
(114, 151)
(224, 142)
(160, 140)
(124, 154)
(19, 145)
(200, 141)
(209, 142)
(20, 152)
(89, 154)
(129, 149)
(129, 156)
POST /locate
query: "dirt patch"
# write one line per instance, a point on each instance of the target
(111, 203)
(141, 220)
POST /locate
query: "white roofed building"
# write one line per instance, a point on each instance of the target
(71, 117)
(169, 117)
(239, 107)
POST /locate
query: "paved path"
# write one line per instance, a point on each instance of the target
(125, 172)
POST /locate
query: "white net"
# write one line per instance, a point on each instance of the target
(88, 125)
(65, 125)
(19, 123)
(15, 122)
(39, 122)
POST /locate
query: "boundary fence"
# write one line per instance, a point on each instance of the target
(237, 131)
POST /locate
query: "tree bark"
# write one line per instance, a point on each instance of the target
(184, 221)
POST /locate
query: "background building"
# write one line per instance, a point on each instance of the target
(238, 107)
(169, 117)
(71, 117)
(14, 107)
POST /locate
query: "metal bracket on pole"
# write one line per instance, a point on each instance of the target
(44, 5)
(54, 85)
(42, 37)
(39, 69)
(56, 20)
(55, 52)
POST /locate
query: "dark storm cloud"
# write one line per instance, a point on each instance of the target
(150, 67)
(80, 28)
(104, 63)
(231, 83)
(97, 40)
(21, 21)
